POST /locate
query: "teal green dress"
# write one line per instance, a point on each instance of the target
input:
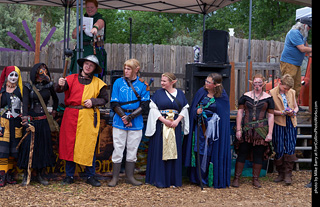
(88, 49)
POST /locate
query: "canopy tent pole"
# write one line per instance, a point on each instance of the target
(249, 44)
(204, 23)
(79, 40)
(204, 12)
(81, 33)
(130, 39)
(66, 33)
(77, 50)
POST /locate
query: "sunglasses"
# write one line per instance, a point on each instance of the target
(208, 82)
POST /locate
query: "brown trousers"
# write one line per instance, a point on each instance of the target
(295, 72)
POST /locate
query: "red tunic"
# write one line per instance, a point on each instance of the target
(78, 136)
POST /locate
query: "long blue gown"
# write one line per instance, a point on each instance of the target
(218, 153)
(162, 173)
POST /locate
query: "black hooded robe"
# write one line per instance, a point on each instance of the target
(43, 155)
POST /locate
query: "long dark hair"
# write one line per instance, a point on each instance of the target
(217, 79)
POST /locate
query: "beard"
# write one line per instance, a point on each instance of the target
(304, 31)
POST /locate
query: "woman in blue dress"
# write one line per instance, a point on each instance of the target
(168, 120)
(211, 109)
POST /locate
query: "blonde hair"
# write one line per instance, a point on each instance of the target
(132, 63)
(171, 77)
(287, 80)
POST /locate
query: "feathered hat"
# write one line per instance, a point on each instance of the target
(6, 71)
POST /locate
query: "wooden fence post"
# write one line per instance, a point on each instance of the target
(37, 49)
(250, 76)
(232, 88)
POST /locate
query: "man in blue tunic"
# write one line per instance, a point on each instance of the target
(295, 47)
(130, 97)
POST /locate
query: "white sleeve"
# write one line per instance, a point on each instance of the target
(185, 121)
(153, 116)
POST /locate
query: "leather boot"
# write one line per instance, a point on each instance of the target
(288, 167)
(93, 181)
(25, 177)
(280, 169)
(40, 179)
(10, 179)
(67, 180)
(3, 180)
(237, 174)
(256, 168)
(129, 174)
(115, 174)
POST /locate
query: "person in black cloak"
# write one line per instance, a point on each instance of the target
(34, 114)
(210, 107)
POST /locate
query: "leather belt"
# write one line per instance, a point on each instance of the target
(129, 110)
(87, 43)
(76, 107)
(95, 121)
(38, 118)
(16, 117)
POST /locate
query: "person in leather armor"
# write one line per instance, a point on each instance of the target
(33, 113)
(10, 125)
(130, 97)
(255, 120)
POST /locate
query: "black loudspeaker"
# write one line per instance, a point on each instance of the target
(196, 73)
(115, 74)
(215, 46)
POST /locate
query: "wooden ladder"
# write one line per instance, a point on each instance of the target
(304, 132)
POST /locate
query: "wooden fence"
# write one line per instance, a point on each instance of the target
(156, 59)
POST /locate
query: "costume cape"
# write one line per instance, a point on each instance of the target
(221, 153)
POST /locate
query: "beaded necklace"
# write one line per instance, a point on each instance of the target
(255, 103)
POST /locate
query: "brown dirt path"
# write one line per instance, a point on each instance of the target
(81, 194)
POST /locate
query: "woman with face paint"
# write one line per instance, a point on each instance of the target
(10, 124)
(254, 129)
(34, 114)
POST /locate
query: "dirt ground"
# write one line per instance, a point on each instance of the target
(81, 194)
